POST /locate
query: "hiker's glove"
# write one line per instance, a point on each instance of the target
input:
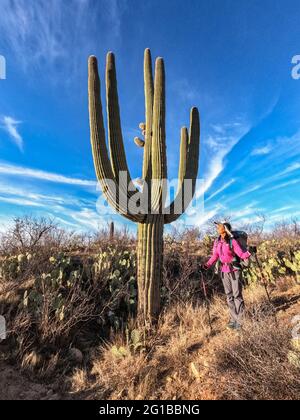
(203, 267)
(252, 249)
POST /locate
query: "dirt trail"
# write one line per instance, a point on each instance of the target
(15, 386)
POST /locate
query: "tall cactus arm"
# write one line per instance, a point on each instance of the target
(158, 152)
(149, 94)
(115, 138)
(184, 143)
(194, 148)
(102, 163)
(188, 168)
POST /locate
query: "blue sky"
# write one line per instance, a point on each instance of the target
(231, 59)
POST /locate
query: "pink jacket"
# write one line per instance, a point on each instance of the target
(222, 251)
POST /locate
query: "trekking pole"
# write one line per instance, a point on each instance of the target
(206, 300)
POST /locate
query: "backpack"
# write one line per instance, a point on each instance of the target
(242, 238)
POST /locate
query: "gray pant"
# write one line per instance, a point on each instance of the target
(232, 283)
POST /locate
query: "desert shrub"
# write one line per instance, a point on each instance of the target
(53, 298)
(27, 235)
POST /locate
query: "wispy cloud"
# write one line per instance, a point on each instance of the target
(21, 201)
(223, 188)
(30, 194)
(41, 33)
(283, 185)
(70, 211)
(279, 217)
(260, 151)
(207, 216)
(249, 210)
(291, 168)
(274, 154)
(14, 170)
(185, 91)
(219, 129)
(281, 209)
(88, 218)
(244, 192)
(10, 125)
(264, 185)
(219, 146)
(251, 220)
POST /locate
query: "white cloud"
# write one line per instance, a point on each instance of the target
(86, 217)
(224, 187)
(68, 210)
(202, 219)
(20, 201)
(249, 220)
(260, 151)
(200, 216)
(14, 170)
(283, 149)
(283, 185)
(213, 142)
(31, 196)
(288, 170)
(10, 126)
(243, 193)
(281, 209)
(249, 210)
(291, 168)
(219, 147)
(219, 129)
(278, 217)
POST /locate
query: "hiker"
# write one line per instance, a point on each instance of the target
(225, 249)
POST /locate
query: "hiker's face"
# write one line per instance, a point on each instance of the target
(221, 229)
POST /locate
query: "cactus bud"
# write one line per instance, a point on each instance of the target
(139, 142)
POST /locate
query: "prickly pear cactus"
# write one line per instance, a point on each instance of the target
(294, 265)
(278, 258)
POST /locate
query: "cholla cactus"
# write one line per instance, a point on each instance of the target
(121, 193)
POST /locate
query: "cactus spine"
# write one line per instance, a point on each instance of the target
(154, 215)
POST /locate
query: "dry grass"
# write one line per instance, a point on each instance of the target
(185, 361)
(255, 365)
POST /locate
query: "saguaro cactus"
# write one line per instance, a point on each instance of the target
(120, 192)
(111, 231)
